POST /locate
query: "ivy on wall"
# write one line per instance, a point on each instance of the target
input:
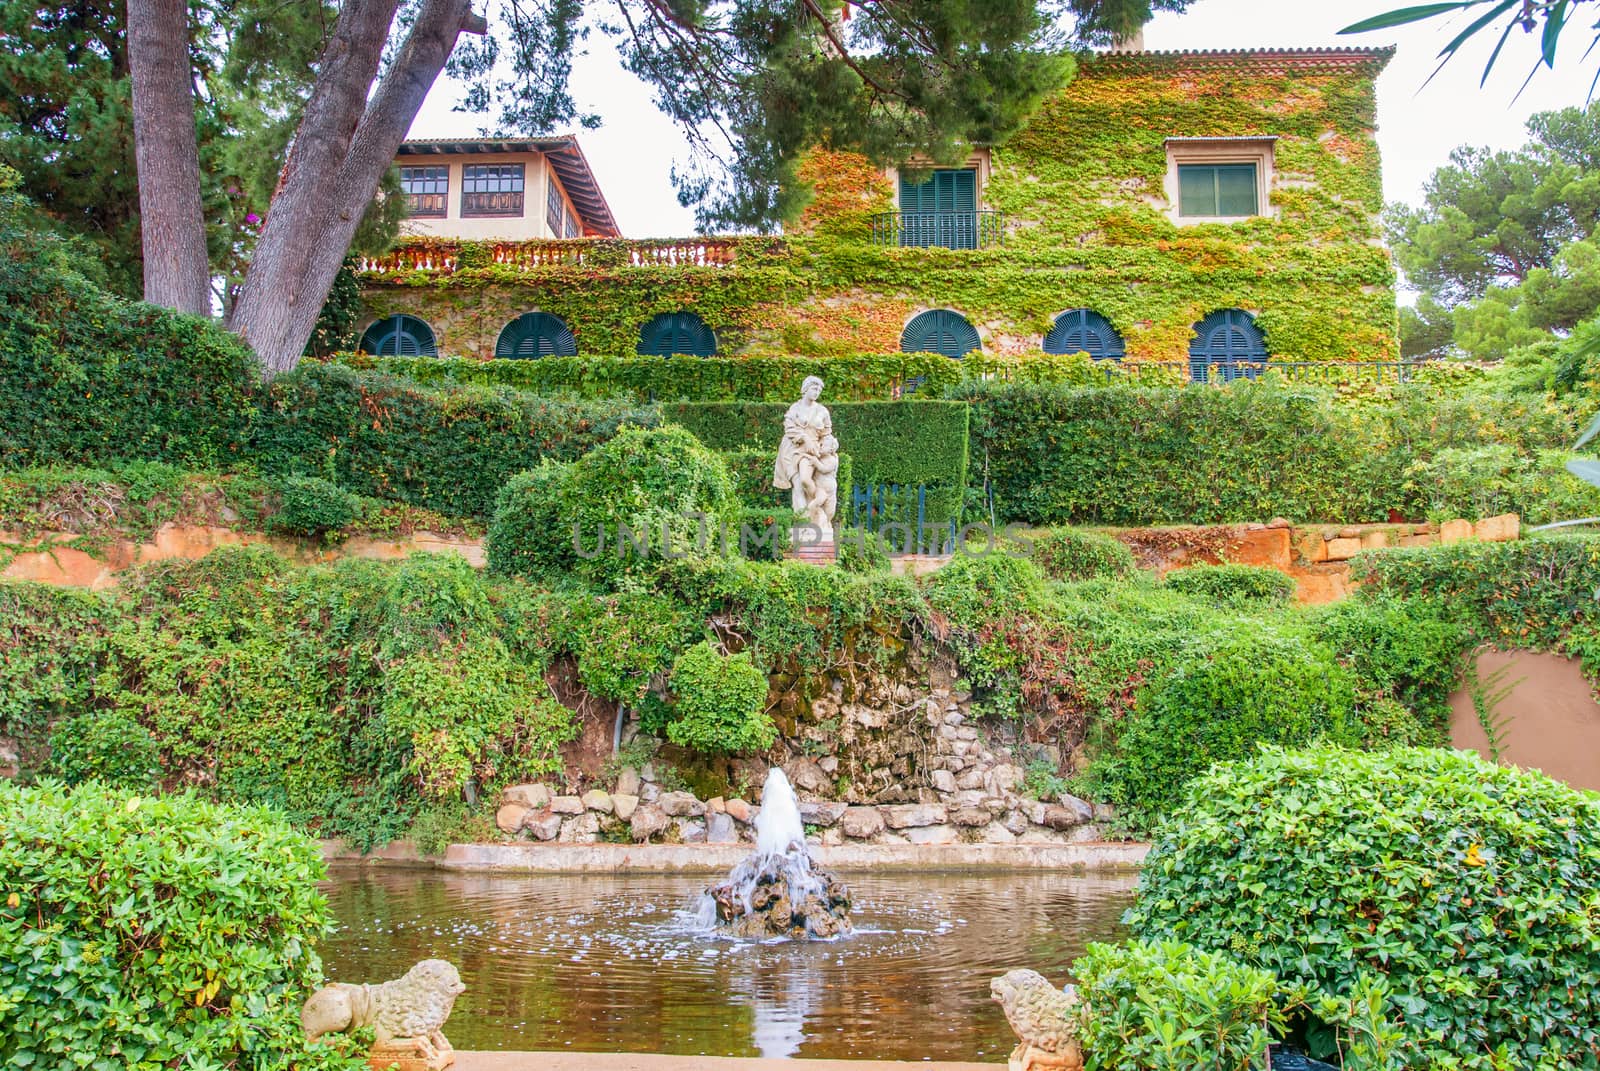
(1082, 189)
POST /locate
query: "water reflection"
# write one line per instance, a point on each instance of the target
(599, 963)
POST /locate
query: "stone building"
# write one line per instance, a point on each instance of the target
(1212, 210)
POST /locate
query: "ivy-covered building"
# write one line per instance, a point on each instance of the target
(1199, 208)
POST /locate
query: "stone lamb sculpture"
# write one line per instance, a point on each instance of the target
(407, 1015)
(1044, 1017)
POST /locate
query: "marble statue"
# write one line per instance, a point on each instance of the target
(808, 459)
(1044, 1017)
(407, 1015)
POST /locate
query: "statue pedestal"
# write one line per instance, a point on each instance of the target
(815, 553)
(412, 1054)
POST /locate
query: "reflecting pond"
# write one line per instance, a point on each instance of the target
(599, 963)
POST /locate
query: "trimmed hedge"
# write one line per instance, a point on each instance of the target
(153, 933)
(87, 376)
(1234, 585)
(905, 443)
(855, 377)
(449, 451)
(1467, 887)
(1058, 455)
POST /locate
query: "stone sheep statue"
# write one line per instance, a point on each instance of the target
(407, 1014)
(1044, 1017)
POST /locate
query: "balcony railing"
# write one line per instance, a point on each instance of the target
(942, 230)
(443, 256)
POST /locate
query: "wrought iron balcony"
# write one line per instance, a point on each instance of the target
(941, 230)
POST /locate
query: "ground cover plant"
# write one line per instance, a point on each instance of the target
(1468, 888)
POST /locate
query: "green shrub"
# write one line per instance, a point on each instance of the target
(1070, 554)
(1253, 687)
(308, 505)
(1468, 887)
(646, 495)
(764, 535)
(528, 534)
(1486, 481)
(1531, 593)
(861, 551)
(52, 650)
(110, 748)
(973, 589)
(1234, 585)
(88, 377)
(1408, 651)
(151, 933)
(445, 449)
(1166, 1006)
(720, 702)
(1121, 456)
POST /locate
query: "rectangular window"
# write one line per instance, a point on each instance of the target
(491, 190)
(555, 210)
(1217, 190)
(941, 210)
(426, 189)
(574, 226)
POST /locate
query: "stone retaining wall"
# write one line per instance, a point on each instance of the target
(902, 768)
(1317, 556)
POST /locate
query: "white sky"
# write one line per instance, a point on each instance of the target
(633, 151)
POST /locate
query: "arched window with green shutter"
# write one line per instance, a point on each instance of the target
(399, 336)
(677, 333)
(1229, 342)
(940, 331)
(1085, 331)
(536, 334)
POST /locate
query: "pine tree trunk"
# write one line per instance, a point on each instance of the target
(342, 149)
(172, 225)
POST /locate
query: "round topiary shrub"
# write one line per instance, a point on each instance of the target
(1253, 687)
(1070, 554)
(1234, 585)
(528, 535)
(310, 505)
(719, 702)
(107, 747)
(152, 933)
(646, 495)
(1470, 887)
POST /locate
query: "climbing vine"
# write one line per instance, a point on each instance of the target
(1082, 188)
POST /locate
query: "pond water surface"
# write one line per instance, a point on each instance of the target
(605, 964)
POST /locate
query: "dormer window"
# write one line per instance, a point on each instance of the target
(1219, 180)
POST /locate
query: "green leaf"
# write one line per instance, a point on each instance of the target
(1588, 433)
(1587, 471)
(1404, 15)
(1555, 19)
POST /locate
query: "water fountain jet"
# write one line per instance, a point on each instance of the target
(776, 892)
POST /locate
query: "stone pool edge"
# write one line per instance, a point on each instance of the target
(718, 858)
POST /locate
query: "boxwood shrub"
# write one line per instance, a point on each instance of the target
(1469, 887)
(150, 933)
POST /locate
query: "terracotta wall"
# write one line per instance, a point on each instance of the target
(56, 562)
(1551, 717)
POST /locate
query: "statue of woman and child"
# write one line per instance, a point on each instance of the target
(808, 460)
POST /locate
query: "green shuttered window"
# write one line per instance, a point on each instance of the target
(536, 334)
(674, 333)
(940, 331)
(941, 210)
(1217, 190)
(399, 336)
